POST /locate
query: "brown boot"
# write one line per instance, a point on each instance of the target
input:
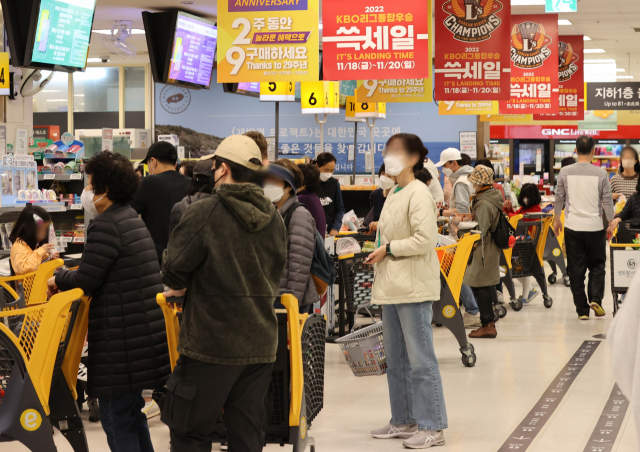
(486, 332)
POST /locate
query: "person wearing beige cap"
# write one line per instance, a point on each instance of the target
(229, 252)
(483, 273)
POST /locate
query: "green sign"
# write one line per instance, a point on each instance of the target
(561, 6)
(63, 32)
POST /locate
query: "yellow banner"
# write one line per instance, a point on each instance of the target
(471, 107)
(271, 41)
(506, 118)
(390, 90)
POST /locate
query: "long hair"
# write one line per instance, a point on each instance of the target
(26, 227)
(413, 145)
(636, 167)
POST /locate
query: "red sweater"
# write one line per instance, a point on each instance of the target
(524, 211)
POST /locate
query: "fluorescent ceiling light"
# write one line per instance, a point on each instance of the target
(624, 76)
(134, 31)
(586, 38)
(51, 91)
(527, 2)
(94, 60)
(57, 100)
(602, 61)
(564, 22)
(594, 51)
(79, 95)
(621, 69)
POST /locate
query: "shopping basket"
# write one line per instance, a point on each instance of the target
(553, 254)
(364, 351)
(624, 259)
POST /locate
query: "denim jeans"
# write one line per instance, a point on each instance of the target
(468, 300)
(124, 423)
(413, 375)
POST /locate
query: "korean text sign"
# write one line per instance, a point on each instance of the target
(403, 90)
(571, 80)
(613, 96)
(383, 39)
(472, 49)
(534, 65)
(268, 41)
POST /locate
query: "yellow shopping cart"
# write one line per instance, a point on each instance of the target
(553, 254)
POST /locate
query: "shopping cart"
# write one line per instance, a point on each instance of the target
(507, 279)
(554, 256)
(296, 393)
(625, 257)
(38, 373)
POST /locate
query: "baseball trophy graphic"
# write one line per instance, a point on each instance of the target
(528, 31)
(563, 52)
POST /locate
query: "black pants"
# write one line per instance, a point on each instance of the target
(486, 297)
(198, 392)
(586, 250)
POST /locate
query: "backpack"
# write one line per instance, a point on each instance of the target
(504, 235)
(323, 271)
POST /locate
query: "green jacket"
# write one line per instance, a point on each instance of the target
(486, 208)
(229, 251)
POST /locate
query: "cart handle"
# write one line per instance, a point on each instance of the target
(366, 308)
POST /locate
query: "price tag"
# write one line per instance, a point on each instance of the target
(78, 240)
(66, 239)
(367, 181)
(76, 176)
(49, 177)
(76, 206)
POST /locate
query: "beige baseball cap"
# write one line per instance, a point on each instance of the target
(239, 149)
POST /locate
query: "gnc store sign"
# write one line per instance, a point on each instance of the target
(522, 132)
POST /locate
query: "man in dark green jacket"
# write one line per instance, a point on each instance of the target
(229, 252)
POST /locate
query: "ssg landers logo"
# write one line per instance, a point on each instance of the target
(472, 20)
(529, 45)
(567, 61)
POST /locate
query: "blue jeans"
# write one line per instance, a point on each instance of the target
(413, 375)
(125, 425)
(468, 300)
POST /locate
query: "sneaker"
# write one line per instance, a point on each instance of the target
(395, 431)
(500, 297)
(471, 321)
(597, 309)
(151, 409)
(488, 332)
(424, 438)
(524, 300)
(533, 293)
(583, 317)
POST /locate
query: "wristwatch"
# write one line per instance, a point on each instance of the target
(441, 211)
(388, 248)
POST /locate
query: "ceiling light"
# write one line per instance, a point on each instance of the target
(57, 100)
(134, 31)
(564, 22)
(624, 77)
(50, 91)
(94, 60)
(527, 2)
(621, 69)
(594, 51)
(79, 95)
(602, 61)
(586, 38)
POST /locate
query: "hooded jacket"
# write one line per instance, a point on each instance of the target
(486, 209)
(434, 187)
(461, 191)
(179, 208)
(229, 253)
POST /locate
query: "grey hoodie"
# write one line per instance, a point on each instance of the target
(461, 193)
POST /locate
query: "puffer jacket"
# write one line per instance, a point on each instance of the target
(300, 248)
(180, 208)
(411, 274)
(128, 349)
(631, 209)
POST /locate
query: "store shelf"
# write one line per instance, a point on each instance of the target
(48, 208)
(60, 177)
(606, 157)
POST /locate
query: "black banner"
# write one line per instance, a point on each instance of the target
(613, 96)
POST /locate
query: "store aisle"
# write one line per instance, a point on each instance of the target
(485, 403)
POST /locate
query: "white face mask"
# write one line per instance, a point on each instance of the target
(86, 198)
(628, 163)
(386, 182)
(325, 176)
(447, 171)
(273, 192)
(393, 165)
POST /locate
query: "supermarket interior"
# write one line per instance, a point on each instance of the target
(319, 225)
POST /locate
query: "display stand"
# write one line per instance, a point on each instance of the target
(321, 123)
(277, 92)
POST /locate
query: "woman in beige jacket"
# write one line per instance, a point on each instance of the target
(407, 281)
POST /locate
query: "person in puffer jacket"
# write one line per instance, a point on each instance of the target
(407, 282)
(280, 186)
(199, 188)
(630, 210)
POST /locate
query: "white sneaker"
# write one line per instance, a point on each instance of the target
(500, 297)
(471, 321)
(395, 431)
(151, 409)
(424, 438)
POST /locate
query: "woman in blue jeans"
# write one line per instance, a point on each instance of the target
(406, 283)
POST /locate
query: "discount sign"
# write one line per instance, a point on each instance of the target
(382, 39)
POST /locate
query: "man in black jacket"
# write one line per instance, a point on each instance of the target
(229, 251)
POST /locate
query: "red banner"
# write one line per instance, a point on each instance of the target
(381, 39)
(571, 78)
(534, 65)
(472, 49)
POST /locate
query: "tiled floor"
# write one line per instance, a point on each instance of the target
(484, 403)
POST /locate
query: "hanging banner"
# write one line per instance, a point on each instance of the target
(613, 96)
(267, 41)
(506, 118)
(403, 90)
(571, 80)
(472, 49)
(471, 107)
(383, 39)
(534, 65)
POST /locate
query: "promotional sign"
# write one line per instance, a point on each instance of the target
(267, 41)
(472, 107)
(472, 49)
(506, 118)
(63, 32)
(320, 97)
(22, 140)
(468, 144)
(383, 39)
(613, 96)
(561, 6)
(4, 74)
(194, 49)
(407, 90)
(534, 65)
(350, 115)
(624, 266)
(278, 91)
(599, 120)
(571, 80)
(107, 139)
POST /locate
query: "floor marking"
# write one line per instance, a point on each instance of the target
(608, 427)
(523, 436)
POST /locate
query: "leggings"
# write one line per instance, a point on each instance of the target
(486, 297)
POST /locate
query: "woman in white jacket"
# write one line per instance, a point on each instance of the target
(407, 281)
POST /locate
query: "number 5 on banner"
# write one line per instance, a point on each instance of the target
(277, 91)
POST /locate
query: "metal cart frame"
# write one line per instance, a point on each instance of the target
(554, 256)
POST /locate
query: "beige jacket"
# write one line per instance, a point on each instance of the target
(412, 273)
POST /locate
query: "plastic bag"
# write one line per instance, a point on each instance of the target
(346, 246)
(350, 222)
(622, 201)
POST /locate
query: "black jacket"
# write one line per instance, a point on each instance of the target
(631, 209)
(128, 349)
(180, 208)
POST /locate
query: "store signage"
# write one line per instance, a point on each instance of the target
(107, 139)
(506, 118)
(392, 90)
(472, 49)
(468, 144)
(524, 132)
(613, 96)
(599, 120)
(194, 49)
(320, 97)
(350, 114)
(534, 65)
(384, 39)
(267, 41)
(4, 74)
(175, 99)
(561, 6)
(471, 107)
(571, 80)
(277, 92)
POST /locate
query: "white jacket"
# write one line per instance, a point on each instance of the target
(434, 187)
(412, 273)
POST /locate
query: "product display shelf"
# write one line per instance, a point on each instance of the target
(61, 177)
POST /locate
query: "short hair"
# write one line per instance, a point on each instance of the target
(261, 141)
(567, 161)
(636, 167)
(323, 158)
(112, 174)
(298, 177)
(414, 145)
(239, 173)
(311, 175)
(382, 170)
(188, 168)
(485, 162)
(466, 160)
(424, 176)
(140, 169)
(532, 193)
(165, 162)
(585, 144)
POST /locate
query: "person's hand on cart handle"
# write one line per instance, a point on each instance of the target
(557, 226)
(333, 232)
(52, 289)
(373, 227)
(173, 294)
(612, 227)
(376, 256)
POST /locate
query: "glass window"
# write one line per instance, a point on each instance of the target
(96, 90)
(54, 97)
(134, 89)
